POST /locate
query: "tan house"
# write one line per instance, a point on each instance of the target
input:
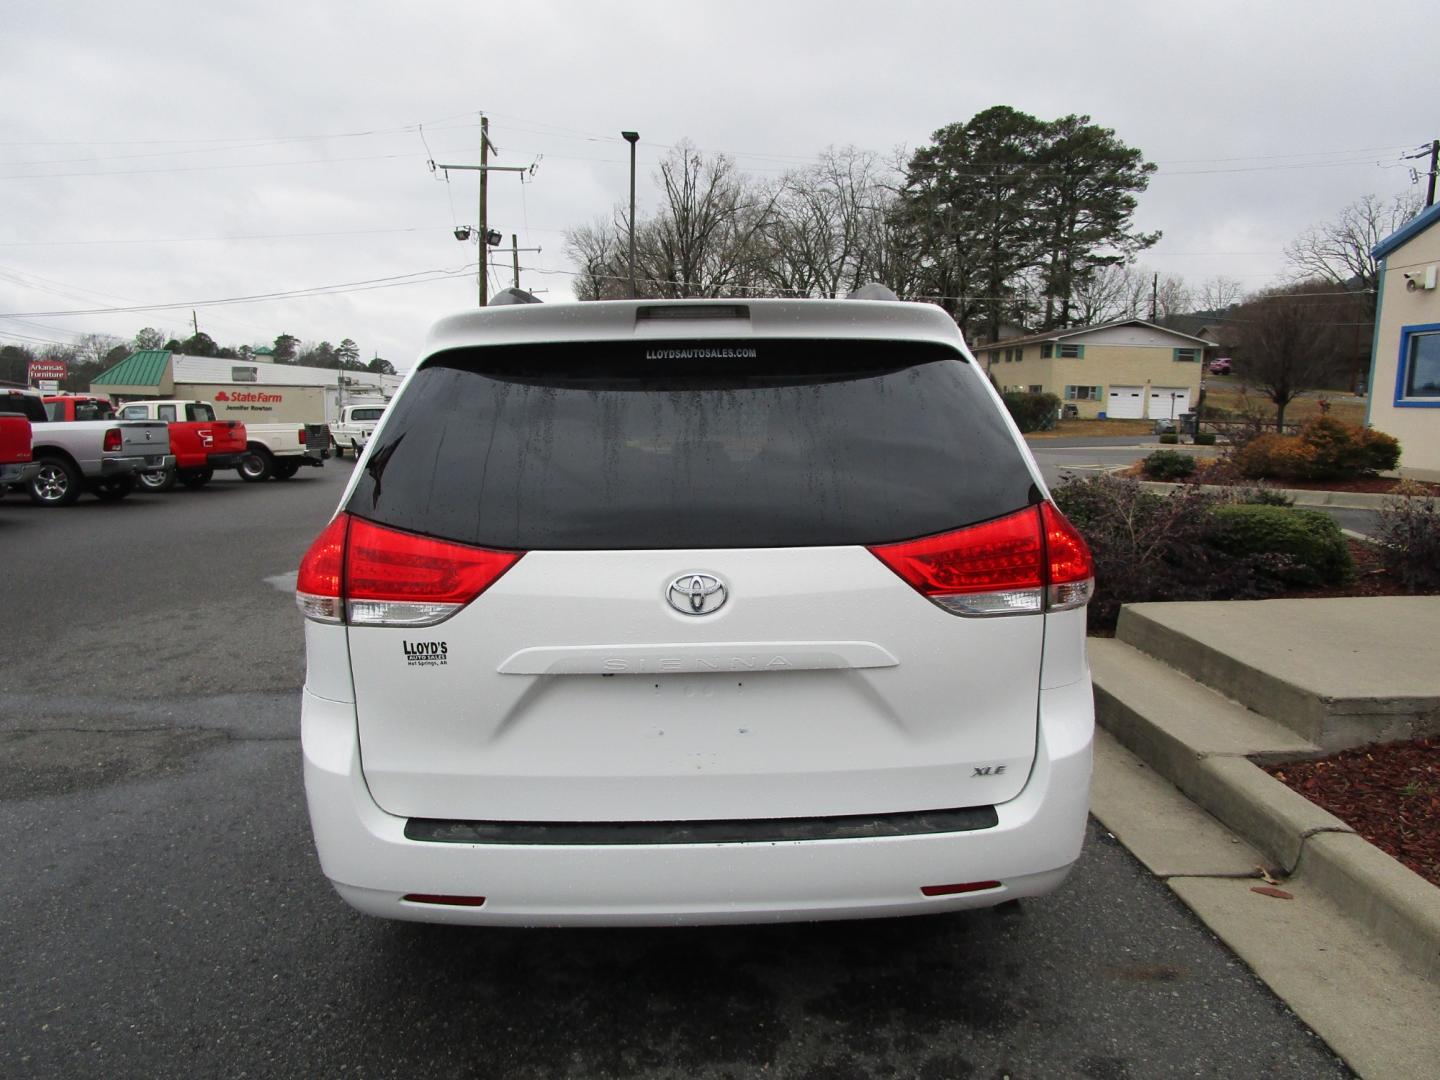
(1404, 398)
(1122, 370)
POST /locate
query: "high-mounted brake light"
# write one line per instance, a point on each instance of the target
(369, 575)
(1026, 562)
(113, 443)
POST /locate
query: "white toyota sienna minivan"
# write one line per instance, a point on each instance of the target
(652, 612)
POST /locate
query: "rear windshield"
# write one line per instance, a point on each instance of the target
(686, 445)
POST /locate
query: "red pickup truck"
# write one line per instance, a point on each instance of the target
(201, 444)
(78, 407)
(16, 465)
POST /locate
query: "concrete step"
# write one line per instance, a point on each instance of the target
(1202, 743)
(1338, 672)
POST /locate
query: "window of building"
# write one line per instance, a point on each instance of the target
(1417, 382)
(1082, 393)
(1046, 351)
(1036, 388)
(1075, 351)
(1188, 354)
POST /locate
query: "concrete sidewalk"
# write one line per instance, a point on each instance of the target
(1344, 500)
(1194, 695)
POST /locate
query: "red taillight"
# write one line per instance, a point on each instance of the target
(1000, 567)
(113, 443)
(1071, 566)
(304, 439)
(318, 585)
(378, 576)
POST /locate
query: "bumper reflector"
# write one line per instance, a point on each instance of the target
(438, 898)
(951, 890)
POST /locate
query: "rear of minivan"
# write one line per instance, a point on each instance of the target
(695, 612)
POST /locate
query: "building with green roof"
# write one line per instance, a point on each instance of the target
(147, 373)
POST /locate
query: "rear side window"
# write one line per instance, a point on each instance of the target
(199, 412)
(26, 405)
(685, 444)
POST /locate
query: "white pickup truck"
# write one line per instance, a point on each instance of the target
(352, 430)
(277, 450)
(99, 456)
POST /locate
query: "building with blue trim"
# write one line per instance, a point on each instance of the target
(1405, 359)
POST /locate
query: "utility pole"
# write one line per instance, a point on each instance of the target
(195, 322)
(1434, 161)
(484, 169)
(1154, 296)
(515, 250)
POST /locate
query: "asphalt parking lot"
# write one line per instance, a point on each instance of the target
(162, 913)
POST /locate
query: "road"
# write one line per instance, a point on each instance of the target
(162, 913)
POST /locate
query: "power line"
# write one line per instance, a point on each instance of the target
(419, 277)
(221, 239)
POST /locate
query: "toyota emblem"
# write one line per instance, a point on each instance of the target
(696, 594)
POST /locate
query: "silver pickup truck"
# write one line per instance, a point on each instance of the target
(99, 456)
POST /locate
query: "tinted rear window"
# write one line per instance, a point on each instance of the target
(649, 445)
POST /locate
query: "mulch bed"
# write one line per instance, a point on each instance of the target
(1388, 793)
(1371, 577)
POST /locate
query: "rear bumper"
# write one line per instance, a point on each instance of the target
(127, 466)
(223, 461)
(364, 851)
(20, 472)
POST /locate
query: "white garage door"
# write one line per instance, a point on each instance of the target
(1125, 402)
(1168, 402)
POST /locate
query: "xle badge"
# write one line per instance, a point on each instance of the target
(988, 770)
(425, 653)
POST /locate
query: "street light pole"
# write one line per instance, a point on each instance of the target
(484, 208)
(632, 137)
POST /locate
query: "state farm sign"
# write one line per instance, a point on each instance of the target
(47, 369)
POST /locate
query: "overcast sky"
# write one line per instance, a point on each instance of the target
(167, 153)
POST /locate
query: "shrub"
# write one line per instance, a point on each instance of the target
(1409, 537)
(1170, 438)
(1325, 449)
(1274, 457)
(1312, 548)
(1346, 450)
(1205, 438)
(1156, 547)
(1259, 494)
(1032, 412)
(1168, 465)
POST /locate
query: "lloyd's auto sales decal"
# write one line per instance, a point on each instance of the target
(426, 653)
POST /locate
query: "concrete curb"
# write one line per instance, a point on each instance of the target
(1340, 500)
(1376, 891)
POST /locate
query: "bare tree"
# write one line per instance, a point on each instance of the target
(1338, 251)
(601, 250)
(1219, 292)
(1105, 295)
(1291, 339)
(706, 239)
(828, 224)
(94, 349)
